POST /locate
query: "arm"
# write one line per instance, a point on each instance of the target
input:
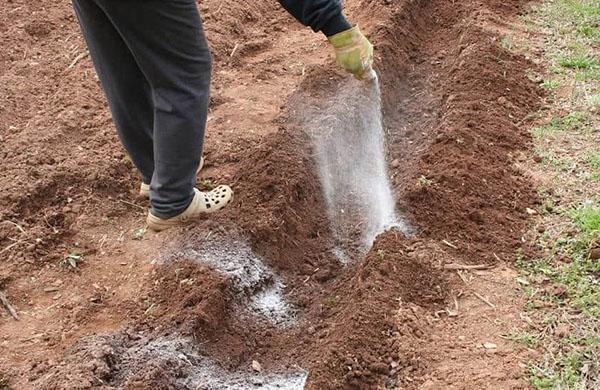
(320, 15)
(353, 50)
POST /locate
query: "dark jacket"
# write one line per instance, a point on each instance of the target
(320, 15)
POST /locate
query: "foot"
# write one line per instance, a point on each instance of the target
(145, 188)
(203, 203)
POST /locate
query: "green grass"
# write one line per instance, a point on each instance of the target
(587, 31)
(564, 283)
(551, 84)
(524, 338)
(593, 160)
(587, 218)
(588, 75)
(578, 62)
(507, 43)
(549, 159)
(573, 121)
(568, 374)
(580, 274)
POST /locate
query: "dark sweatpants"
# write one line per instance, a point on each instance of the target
(154, 63)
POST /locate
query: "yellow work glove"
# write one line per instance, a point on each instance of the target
(353, 52)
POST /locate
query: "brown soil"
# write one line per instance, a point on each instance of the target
(455, 108)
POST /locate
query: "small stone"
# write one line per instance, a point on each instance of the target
(489, 345)
(395, 163)
(50, 289)
(595, 254)
(256, 366)
(537, 159)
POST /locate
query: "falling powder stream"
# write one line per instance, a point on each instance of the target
(349, 145)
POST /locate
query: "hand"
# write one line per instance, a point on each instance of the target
(353, 52)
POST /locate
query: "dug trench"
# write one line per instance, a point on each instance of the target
(259, 283)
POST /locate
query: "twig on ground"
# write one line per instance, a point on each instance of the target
(132, 204)
(485, 300)
(451, 245)
(8, 306)
(77, 59)
(16, 224)
(234, 50)
(453, 312)
(454, 266)
(462, 277)
(10, 246)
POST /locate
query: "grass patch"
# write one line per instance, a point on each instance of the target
(507, 43)
(578, 62)
(549, 159)
(593, 160)
(567, 372)
(573, 121)
(568, 263)
(563, 281)
(594, 101)
(551, 84)
(586, 218)
(527, 339)
(587, 31)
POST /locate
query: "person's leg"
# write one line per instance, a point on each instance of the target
(127, 90)
(168, 42)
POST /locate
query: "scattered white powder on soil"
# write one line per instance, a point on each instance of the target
(256, 286)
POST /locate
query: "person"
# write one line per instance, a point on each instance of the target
(154, 64)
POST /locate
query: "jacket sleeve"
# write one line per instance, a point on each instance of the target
(320, 15)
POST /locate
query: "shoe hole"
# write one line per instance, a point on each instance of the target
(208, 205)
